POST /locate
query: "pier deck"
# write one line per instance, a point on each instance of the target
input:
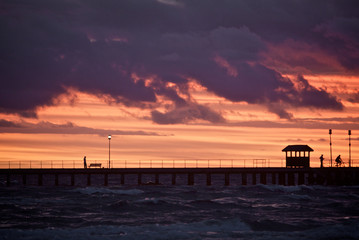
(280, 176)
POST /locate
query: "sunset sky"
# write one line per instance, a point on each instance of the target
(173, 80)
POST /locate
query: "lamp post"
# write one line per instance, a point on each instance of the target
(109, 151)
(350, 157)
(330, 135)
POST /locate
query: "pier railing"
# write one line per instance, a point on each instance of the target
(150, 163)
(154, 163)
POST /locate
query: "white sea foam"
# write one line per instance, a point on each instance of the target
(148, 200)
(94, 190)
(282, 188)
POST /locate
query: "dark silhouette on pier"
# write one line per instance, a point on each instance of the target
(297, 156)
(85, 164)
(339, 161)
(321, 161)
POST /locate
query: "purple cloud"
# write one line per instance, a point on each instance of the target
(96, 47)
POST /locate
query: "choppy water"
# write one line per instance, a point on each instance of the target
(179, 212)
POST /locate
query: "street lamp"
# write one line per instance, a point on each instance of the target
(350, 152)
(109, 152)
(330, 134)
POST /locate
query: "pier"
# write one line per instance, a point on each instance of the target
(229, 176)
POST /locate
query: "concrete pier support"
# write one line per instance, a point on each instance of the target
(254, 178)
(209, 182)
(8, 180)
(274, 175)
(72, 179)
(139, 178)
(173, 179)
(244, 178)
(281, 178)
(157, 179)
(40, 179)
(89, 179)
(291, 179)
(24, 178)
(226, 179)
(329, 177)
(301, 178)
(105, 180)
(311, 179)
(263, 178)
(56, 179)
(190, 179)
(356, 181)
(122, 178)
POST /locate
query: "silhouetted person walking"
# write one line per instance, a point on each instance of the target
(85, 164)
(321, 161)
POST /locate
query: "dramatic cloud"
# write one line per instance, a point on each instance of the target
(68, 128)
(186, 114)
(139, 52)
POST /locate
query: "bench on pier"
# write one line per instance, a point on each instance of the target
(95, 165)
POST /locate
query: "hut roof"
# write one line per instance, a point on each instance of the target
(298, 148)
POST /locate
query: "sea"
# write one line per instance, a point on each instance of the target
(167, 211)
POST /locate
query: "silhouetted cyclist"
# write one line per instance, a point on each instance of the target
(339, 161)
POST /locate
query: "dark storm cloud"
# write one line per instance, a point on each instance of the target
(186, 114)
(97, 47)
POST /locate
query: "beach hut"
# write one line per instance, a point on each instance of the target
(297, 156)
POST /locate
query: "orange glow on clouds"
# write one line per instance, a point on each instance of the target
(236, 139)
